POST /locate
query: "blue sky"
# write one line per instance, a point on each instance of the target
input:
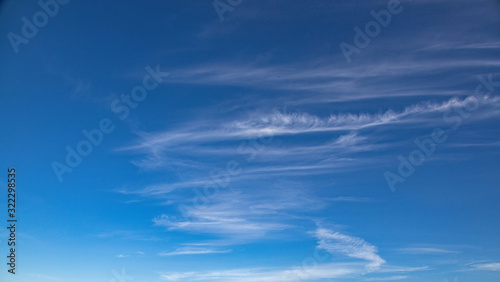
(243, 141)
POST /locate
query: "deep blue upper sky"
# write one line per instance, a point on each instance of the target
(243, 141)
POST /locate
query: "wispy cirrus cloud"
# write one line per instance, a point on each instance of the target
(276, 123)
(325, 271)
(162, 148)
(127, 235)
(348, 83)
(337, 243)
(426, 250)
(389, 278)
(241, 217)
(237, 219)
(333, 242)
(310, 273)
(494, 266)
(193, 251)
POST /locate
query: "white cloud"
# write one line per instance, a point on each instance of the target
(324, 271)
(423, 250)
(399, 269)
(333, 242)
(488, 266)
(193, 251)
(235, 216)
(277, 123)
(353, 247)
(204, 139)
(390, 278)
(349, 82)
(177, 276)
(214, 222)
(127, 235)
